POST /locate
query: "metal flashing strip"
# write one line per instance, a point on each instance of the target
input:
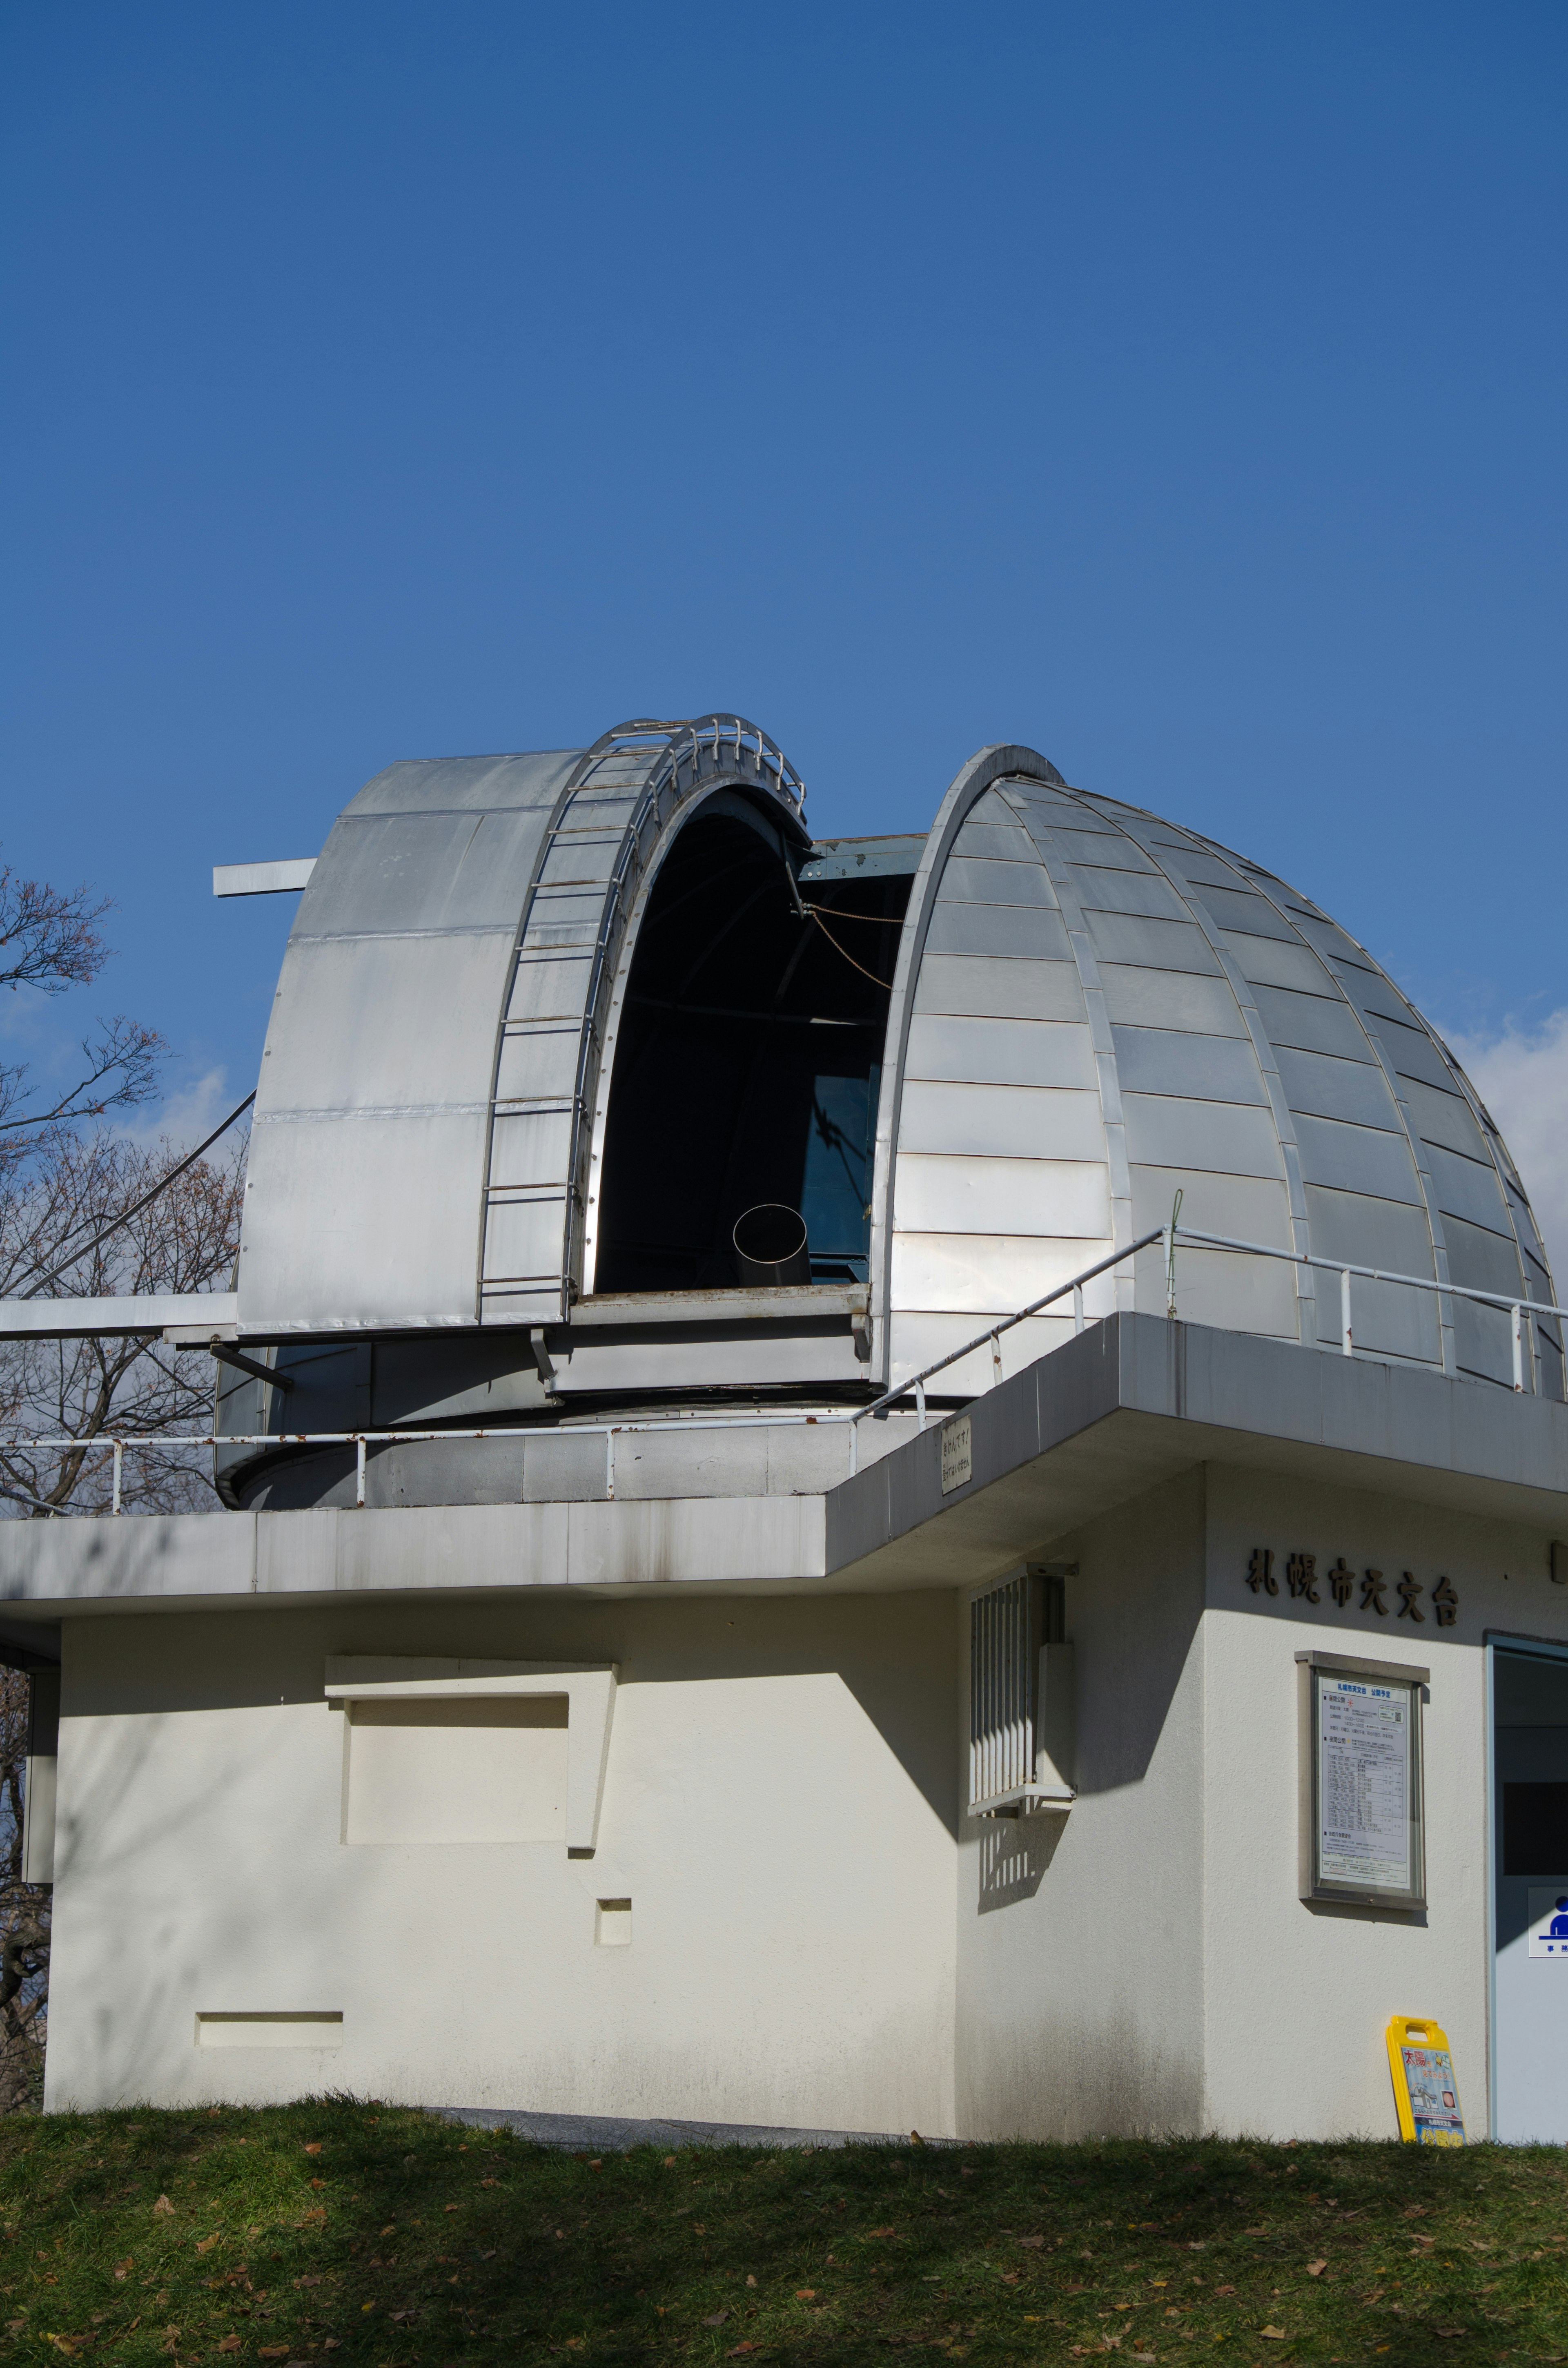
(263, 878)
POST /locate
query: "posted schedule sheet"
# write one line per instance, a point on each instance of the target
(1364, 1738)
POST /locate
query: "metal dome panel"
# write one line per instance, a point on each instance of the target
(422, 1123)
(1169, 1017)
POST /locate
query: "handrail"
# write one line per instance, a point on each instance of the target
(1517, 1307)
(917, 1381)
(1171, 1233)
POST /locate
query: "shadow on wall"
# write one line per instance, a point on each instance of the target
(1014, 1855)
(895, 1654)
(1133, 1616)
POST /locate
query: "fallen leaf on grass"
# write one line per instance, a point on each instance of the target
(315, 2148)
(272, 2352)
(882, 2232)
(805, 2293)
(230, 2343)
(1275, 2334)
(1316, 2269)
(1036, 2241)
(163, 2204)
(718, 2318)
(1224, 2290)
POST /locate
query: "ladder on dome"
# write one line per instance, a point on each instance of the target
(589, 859)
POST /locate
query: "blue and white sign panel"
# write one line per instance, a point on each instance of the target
(1549, 1922)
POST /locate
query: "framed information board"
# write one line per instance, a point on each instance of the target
(1361, 1781)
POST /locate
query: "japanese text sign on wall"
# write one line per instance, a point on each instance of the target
(1361, 1590)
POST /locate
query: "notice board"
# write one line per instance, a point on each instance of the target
(1362, 1836)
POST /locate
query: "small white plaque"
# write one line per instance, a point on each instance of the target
(1549, 1920)
(957, 1460)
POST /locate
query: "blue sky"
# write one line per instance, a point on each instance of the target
(1177, 388)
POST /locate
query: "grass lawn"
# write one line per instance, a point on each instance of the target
(345, 2233)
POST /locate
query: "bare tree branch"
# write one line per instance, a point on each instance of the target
(48, 936)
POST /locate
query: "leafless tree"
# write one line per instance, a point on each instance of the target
(184, 1239)
(50, 941)
(24, 1919)
(86, 1212)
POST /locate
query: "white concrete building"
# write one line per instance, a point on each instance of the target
(629, 1681)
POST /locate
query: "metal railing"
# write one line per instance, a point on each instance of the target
(1171, 1236)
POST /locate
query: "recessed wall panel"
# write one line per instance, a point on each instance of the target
(985, 1273)
(1017, 1121)
(1020, 930)
(1165, 1132)
(1268, 963)
(1365, 1231)
(1357, 1159)
(984, 882)
(981, 987)
(1001, 1196)
(1322, 1086)
(1466, 1188)
(1141, 892)
(999, 1051)
(1482, 1258)
(1156, 945)
(492, 1770)
(1244, 1208)
(1315, 1022)
(1204, 1068)
(1155, 999)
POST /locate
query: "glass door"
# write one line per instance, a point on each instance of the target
(1529, 1789)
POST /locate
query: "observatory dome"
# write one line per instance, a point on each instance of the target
(549, 1026)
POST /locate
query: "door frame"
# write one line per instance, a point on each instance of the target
(1539, 1648)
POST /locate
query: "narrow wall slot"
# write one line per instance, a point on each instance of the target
(612, 1923)
(279, 2027)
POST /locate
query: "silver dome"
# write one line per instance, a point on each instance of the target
(1088, 1010)
(1100, 1009)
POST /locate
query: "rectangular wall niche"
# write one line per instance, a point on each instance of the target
(612, 1923)
(491, 1769)
(279, 2029)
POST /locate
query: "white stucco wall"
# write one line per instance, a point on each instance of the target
(778, 1806)
(1143, 1962)
(1080, 1934)
(817, 1939)
(1298, 1996)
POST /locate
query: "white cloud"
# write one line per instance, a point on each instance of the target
(184, 1118)
(1522, 1076)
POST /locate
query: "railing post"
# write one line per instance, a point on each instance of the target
(1077, 1308)
(359, 1470)
(854, 1445)
(1344, 1336)
(119, 1467)
(609, 1464)
(920, 1403)
(995, 1358)
(1170, 1258)
(1519, 1317)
